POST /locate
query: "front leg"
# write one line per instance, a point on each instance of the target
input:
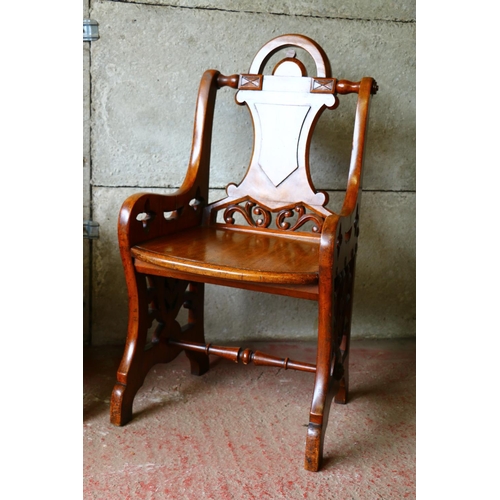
(160, 301)
(130, 375)
(329, 371)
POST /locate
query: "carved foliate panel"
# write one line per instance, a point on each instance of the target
(247, 211)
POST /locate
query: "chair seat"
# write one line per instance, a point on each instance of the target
(235, 255)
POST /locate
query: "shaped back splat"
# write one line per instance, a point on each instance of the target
(284, 107)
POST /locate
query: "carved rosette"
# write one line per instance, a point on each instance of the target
(257, 216)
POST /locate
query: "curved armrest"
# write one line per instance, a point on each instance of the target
(339, 235)
(367, 87)
(145, 216)
(197, 175)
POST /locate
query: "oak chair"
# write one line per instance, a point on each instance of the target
(271, 233)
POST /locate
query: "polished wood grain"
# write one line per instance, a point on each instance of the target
(308, 292)
(272, 233)
(234, 255)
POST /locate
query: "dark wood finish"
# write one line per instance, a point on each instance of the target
(272, 233)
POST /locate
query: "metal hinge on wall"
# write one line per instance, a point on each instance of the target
(90, 30)
(90, 230)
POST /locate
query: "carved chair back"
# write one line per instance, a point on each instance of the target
(307, 251)
(277, 192)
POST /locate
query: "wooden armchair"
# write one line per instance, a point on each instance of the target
(272, 233)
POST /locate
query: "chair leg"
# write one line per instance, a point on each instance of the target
(130, 376)
(160, 301)
(345, 317)
(332, 372)
(195, 303)
(343, 392)
(326, 384)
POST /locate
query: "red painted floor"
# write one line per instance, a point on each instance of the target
(238, 432)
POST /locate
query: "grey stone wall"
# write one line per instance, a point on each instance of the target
(87, 285)
(145, 72)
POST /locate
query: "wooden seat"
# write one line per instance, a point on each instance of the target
(272, 233)
(235, 255)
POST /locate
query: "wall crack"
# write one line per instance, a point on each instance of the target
(310, 16)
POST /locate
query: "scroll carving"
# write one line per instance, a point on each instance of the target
(302, 218)
(247, 211)
(262, 217)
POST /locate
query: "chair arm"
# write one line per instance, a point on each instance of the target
(199, 162)
(339, 235)
(144, 216)
(367, 86)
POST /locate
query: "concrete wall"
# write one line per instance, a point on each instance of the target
(144, 73)
(87, 285)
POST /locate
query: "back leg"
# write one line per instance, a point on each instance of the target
(194, 331)
(345, 300)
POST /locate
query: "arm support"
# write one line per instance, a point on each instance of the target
(340, 232)
(367, 86)
(145, 216)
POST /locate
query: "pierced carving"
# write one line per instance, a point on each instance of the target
(339, 241)
(146, 218)
(302, 218)
(173, 214)
(347, 244)
(257, 216)
(249, 208)
(196, 203)
(166, 296)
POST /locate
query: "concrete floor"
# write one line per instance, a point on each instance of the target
(238, 432)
